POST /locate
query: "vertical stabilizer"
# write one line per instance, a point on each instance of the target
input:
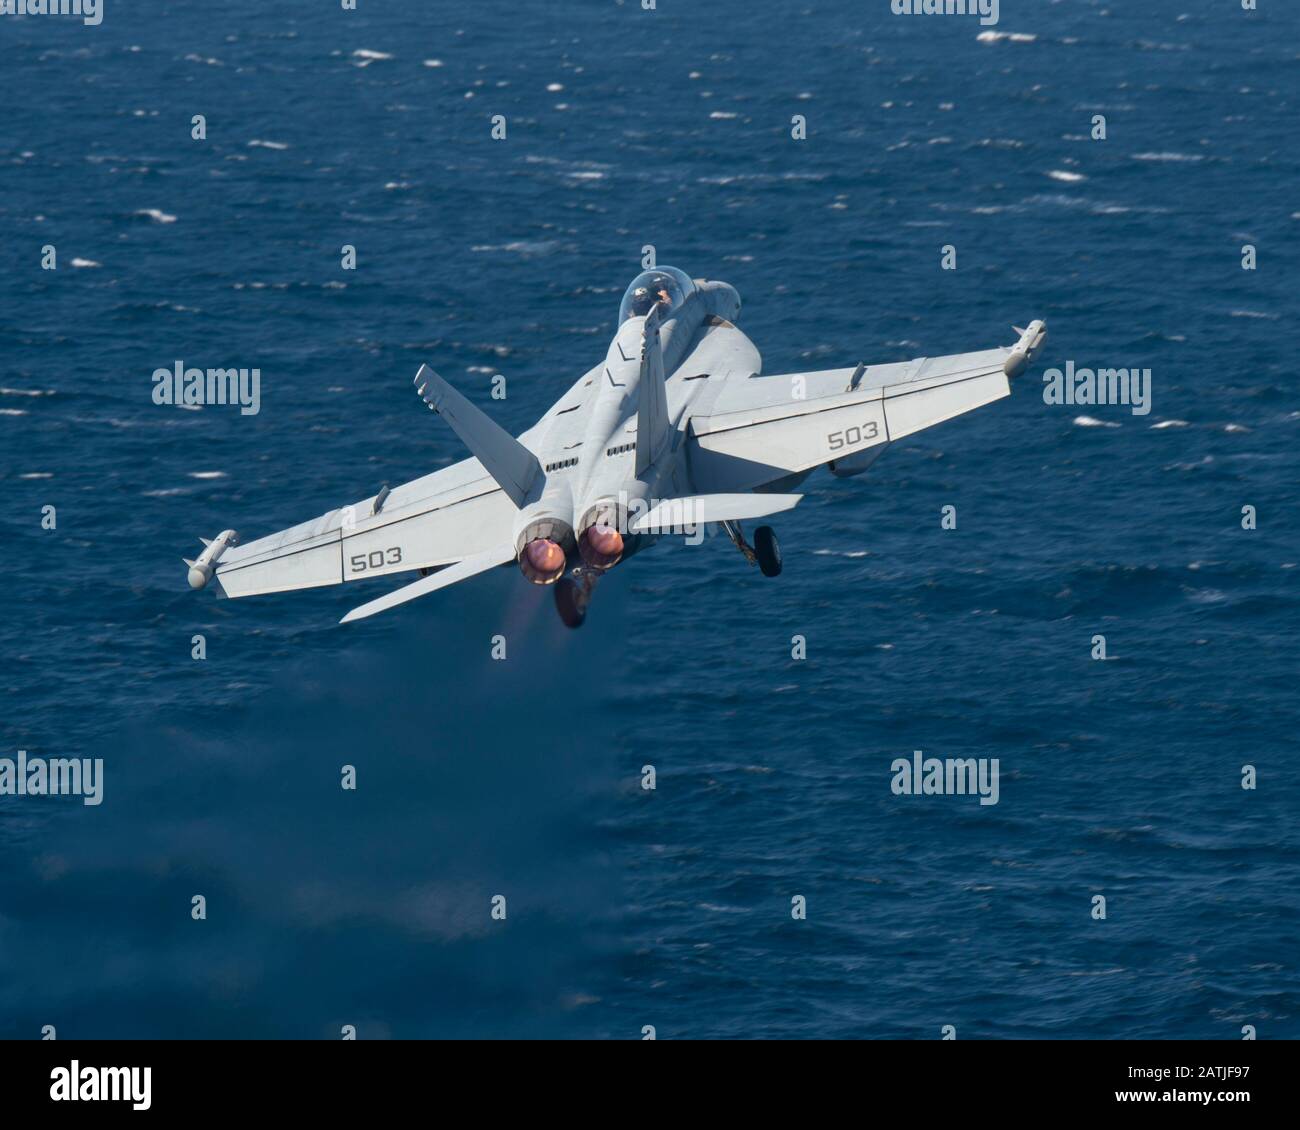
(652, 411)
(503, 457)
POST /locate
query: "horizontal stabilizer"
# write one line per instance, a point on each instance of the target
(460, 571)
(507, 460)
(697, 509)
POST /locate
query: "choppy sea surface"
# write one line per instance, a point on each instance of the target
(629, 907)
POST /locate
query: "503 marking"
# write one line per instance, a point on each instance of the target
(848, 437)
(375, 559)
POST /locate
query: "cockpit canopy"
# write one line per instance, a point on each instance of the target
(665, 285)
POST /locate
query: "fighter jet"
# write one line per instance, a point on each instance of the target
(674, 430)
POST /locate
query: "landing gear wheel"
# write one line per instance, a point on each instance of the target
(768, 551)
(570, 602)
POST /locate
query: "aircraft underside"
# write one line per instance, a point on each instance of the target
(675, 431)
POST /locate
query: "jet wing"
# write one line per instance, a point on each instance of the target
(460, 512)
(454, 513)
(756, 431)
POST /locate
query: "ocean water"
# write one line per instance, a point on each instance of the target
(522, 778)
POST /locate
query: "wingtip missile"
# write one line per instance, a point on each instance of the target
(1026, 349)
(205, 565)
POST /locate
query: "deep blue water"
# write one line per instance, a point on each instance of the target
(668, 908)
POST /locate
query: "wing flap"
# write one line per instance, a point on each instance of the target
(731, 454)
(424, 538)
(305, 556)
(462, 570)
(420, 526)
(913, 410)
(761, 430)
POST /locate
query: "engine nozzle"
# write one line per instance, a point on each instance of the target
(542, 561)
(544, 547)
(600, 546)
(602, 543)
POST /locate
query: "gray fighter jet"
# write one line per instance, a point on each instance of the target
(675, 429)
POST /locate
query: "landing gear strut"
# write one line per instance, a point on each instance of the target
(737, 536)
(573, 594)
(765, 552)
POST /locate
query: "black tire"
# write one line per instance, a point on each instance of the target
(768, 551)
(569, 603)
